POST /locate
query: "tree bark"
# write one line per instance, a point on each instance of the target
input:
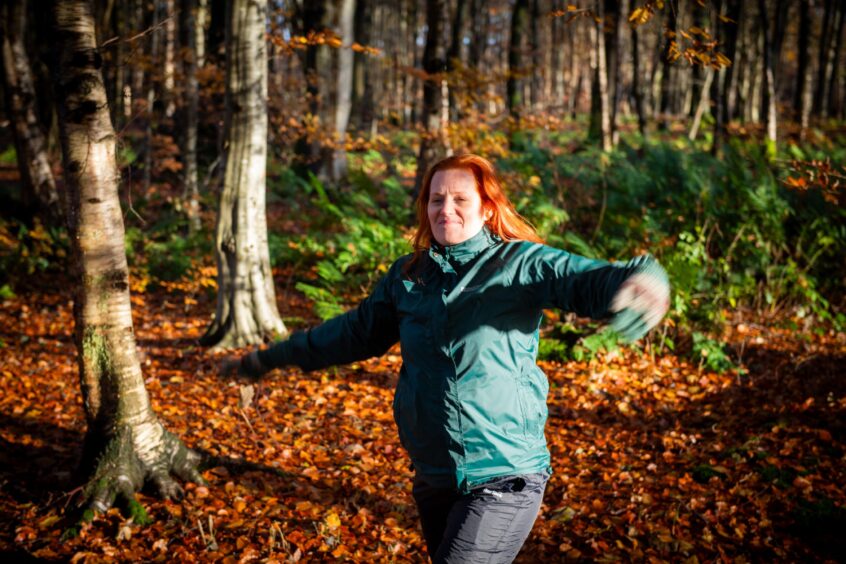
(636, 87)
(835, 102)
(514, 96)
(310, 18)
(732, 31)
(611, 34)
(169, 78)
(125, 445)
(190, 186)
(769, 93)
(345, 83)
(666, 83)
(37, 182)
(453, 56)
(246, 311)
(717, 80)
(362, 102)
(431, 88)
(822, 65)
(600, 116)
(802, 66)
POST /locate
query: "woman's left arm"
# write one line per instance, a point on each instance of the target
(634, 294)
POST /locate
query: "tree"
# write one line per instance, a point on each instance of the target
(820, 93)
(768, 98)
(431, 109)
(345, 84)
(20, 97)
(519, 22)
(600, 111)
(667, 62)
(362, 102)
(246, 301)
(802, 91)
(190, 118)
(125, 444)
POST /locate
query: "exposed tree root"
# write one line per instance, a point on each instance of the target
(120, 472)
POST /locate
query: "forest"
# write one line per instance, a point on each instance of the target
(182, 181)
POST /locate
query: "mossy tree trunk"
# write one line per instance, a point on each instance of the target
(125, 445)
(39, 186)
(246, 301)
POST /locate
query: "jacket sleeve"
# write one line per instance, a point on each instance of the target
(584, 286)
(367, 330)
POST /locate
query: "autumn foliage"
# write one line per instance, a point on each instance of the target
(654, 457)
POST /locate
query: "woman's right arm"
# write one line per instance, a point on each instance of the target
(365, 331)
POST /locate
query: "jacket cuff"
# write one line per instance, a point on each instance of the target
(252, 366)
(652, 268)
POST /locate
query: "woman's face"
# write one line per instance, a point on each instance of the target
(455, 207)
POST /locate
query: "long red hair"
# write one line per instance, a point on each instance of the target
(504, 220)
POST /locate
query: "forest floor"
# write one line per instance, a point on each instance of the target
(653, 458)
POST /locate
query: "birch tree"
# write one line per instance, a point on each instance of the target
(246, 301)
(125, 444)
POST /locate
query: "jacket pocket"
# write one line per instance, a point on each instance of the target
(532, 389)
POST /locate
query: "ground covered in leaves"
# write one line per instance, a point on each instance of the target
(653, 457)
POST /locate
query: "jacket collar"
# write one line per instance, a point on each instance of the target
(463, 252)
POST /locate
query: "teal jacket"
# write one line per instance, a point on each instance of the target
(470, 403)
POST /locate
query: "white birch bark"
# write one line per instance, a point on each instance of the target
(124, 435)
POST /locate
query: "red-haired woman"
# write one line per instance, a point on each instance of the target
(466, 305)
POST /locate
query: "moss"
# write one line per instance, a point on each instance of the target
(95, 350)
(138, 513)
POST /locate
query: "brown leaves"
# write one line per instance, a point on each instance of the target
(653, 460)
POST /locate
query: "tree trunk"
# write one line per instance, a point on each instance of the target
(536, 70)
(822, 66)
(150, 126)
(190, 186)
(125, 445)
(611, 29)
(477, 49)
(362, 101)
(600, 117)
(246, 311)
(454, 54)
(310, 19)
(636, 87)
(666, 54)
(717, 80)
(169, 78)
(513, 96)
(802, 66)
(834, 99)
(769, 93)
(729, 87)
(345, 83)
(37, 183)
(431, 87)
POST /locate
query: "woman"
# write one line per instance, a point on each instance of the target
(466, 305)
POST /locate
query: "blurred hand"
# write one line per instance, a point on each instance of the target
(639, 305)
(248, 367)
(229, 367)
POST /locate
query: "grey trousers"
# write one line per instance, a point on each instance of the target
(489, 524)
